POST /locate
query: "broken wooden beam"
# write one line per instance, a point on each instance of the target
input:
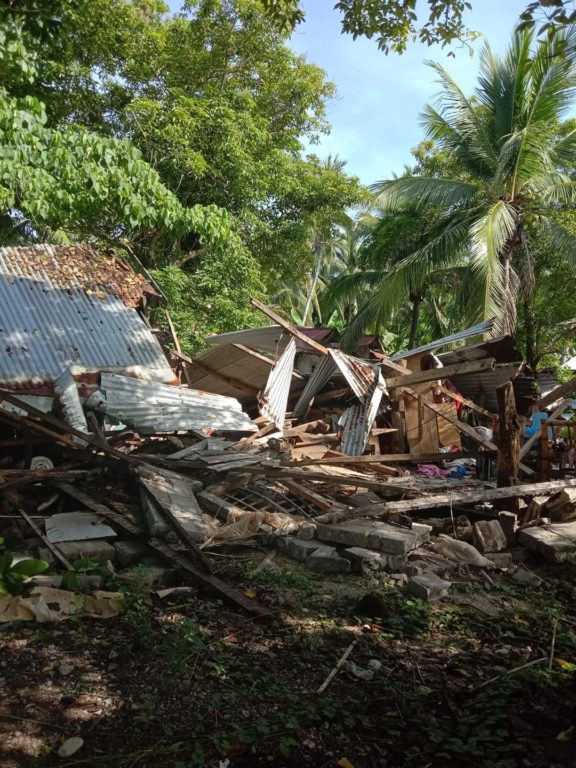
(463, 499)
(460, 399)
(391, 458)
(212, 583)
(55, 551)
(288, 327)
(556, 394)
(508, 438)
(437, 374)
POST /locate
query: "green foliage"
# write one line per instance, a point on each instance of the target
(13, 575)
(213, 298)
(511, 181)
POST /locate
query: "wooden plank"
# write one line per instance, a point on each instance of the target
(473, 366)
(466, 499)
(247, 441)
(556, 394)
(421, 426)
(448, 434)
(358, 481)
(176, 342)
(536, 436)
(211, 582)
(55, 551)
(392, 457)
(326, 505)
(467, 429)
(464, 401)
(47, 418)
(288, 327)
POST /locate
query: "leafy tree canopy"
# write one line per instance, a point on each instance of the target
(394, 23)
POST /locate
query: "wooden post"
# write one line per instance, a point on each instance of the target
(508, 437)
(545, 459)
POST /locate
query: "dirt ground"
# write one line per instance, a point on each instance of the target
(192, 683)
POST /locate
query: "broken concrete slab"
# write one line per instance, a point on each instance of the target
(556, 541)
(488, 536)
(297, 549)
(77, 526)
(306, 531)
(327, 560)
(130, 552)
(509, 523)
(428, 586)
(370, 534)
(502, 560)
(526, 578)
(365, 560)
(97, 549)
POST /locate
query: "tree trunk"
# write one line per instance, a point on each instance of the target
(310, 300)
(416, 305)
(530, 332)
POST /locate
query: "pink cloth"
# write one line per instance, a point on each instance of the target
(431, 470)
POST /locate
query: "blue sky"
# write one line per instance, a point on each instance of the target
(375, 115)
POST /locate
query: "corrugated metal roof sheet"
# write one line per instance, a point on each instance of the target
(502, 349)
(361, 376)
(320, 376)
(67, 391)
(480, 387)
(275, 397)
(150, 407)
(272, 338)
(475, 330)
(48, 322)
(233, 362)
(361, 418)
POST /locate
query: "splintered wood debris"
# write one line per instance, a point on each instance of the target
(170, 476)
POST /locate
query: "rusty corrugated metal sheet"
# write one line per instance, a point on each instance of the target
(272, 339)
(51, 320)
(274, 399)
(361, 376)
(149, 407)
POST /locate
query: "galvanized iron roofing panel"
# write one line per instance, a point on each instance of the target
(49, 323)
(229, 360)
(275, 397)
(150, 407)
(475, 330)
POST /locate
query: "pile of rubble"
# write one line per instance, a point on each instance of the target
(336, 461)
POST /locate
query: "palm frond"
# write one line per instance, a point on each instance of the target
(490, 236)
(419, 193)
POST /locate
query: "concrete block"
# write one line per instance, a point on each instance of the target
(380, 537)
(428, 587)
(365, 560)
(509, 523)
(147, 578)
(502, 560)
(556, 542)
(97, 549)
(297, 549)
(327, 560)
(488, 536)
(130, 552)
(306, 531)
(526, 578)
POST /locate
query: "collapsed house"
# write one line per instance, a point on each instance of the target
(273, 437)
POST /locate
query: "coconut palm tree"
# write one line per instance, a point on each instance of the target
(514, 161)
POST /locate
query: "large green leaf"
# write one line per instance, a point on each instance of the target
(30, 567)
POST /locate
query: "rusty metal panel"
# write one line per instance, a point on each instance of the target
(49, 322)
(361, 376)
(274, 399)
(150, 407)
